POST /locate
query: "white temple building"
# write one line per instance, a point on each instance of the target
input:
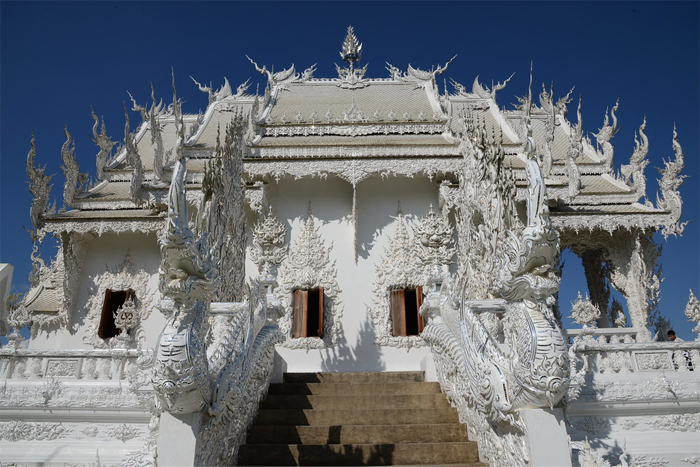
(348, 224)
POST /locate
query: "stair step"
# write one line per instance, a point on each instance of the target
(353, 389)
(389, 418)
(358, 454)
(358, 377)
(355, 417)
(369, 401)
(358, 434)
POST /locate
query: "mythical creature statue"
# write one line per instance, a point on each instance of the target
(528, 279)
(492, 367)
(180, 376)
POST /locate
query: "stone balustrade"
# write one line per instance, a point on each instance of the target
(93, 364)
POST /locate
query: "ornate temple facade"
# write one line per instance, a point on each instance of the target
(348, 224)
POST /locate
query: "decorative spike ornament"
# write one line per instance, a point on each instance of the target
(670, 197)
(75, 180)
(352, 48)
(39, 187)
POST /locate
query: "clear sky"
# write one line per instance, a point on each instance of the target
(60, 58)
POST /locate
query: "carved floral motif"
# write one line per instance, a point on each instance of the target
(584, 312)
(62, 368)
(124, 432)
(398, 268)
(592, 425)
(309, 267)
(692, 311)
(269, 248)
(125, 275)
(17, 430)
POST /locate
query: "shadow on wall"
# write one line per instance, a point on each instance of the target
(364, 356)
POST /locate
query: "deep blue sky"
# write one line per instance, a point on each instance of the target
(60, 58)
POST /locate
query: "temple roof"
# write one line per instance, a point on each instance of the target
(305, 123)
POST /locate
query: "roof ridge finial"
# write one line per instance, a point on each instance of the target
(351, 51)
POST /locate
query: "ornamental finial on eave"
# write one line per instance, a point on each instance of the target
(670, 182)
(352, 48)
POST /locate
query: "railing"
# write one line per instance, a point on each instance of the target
(79, 364)
(617, 354)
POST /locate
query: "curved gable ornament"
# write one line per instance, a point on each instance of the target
(308, 267)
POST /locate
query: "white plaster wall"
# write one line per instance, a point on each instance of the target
(331, 203)
(107, 252)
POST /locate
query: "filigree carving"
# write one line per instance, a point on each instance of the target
(103, 142)
(309, 267)
(677, 422)
(124, 432)
(75, 180)
(592, 425)
(486, 207)
(605, 134)
(653, 361)
(221, 211)
(472, 368)
(17, 430)
(416, 74)
(670, 199)
(40, 188)
(236, 400)
(575, 151)
(584, 312)
(180, 375)
(635, 274)
(398, 268)
(286, 152)
(692, 311)
(269, 248)
(351, 78)
(633, 173)
(133, 161)
(435, 244)
(223, 92)
(62, 368)
(486, 93)
(547, 105)
(123, 276)
(159, 154)
(273, 78)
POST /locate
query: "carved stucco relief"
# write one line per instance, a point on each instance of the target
(409, 262)
(17, 430)
(397, 269)
(308, 267)
(125, 275)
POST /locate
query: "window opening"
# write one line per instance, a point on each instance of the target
(113, 300)
(307, 313)
(405, 306)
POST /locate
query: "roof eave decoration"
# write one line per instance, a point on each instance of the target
(669, 184)
(40, 188)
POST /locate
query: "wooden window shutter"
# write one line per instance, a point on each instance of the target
(419, 302)
(398, 314)
(106, 328)
(299, 312)
(319, 333)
